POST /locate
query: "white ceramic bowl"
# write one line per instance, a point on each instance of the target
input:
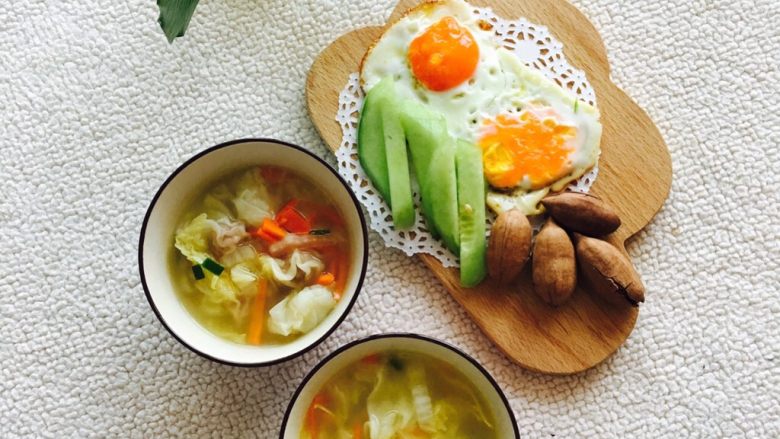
(187, 183)
(506, 426)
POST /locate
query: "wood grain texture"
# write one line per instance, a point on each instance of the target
(634, 177)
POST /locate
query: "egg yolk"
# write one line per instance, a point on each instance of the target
(528, 146)
(444, 56)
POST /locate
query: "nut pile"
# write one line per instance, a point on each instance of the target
(557, 255)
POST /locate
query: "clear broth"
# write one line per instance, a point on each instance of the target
(340, 408)
(228, 322)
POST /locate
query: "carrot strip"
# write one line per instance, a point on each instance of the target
(357, 431)
(342, 272)
(265, 236)
(273, 174)
(291, 219)
(336, 263)
(370, 359)
(328, 255)
(326, 279)
(256, 317)
(271, 227)
(332, 215)
(311, 424)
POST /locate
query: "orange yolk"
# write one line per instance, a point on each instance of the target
(444, 56)
(517, 147)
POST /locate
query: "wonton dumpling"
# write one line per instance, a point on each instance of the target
(251, 207)
(286, 272)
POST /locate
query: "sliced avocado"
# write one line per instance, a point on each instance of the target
(442, 189)
(371, 142)
(471, 211)
(425, 130)
(397, 160)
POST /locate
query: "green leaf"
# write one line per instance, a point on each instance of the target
(175, 16)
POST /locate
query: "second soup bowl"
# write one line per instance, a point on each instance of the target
(392, 361)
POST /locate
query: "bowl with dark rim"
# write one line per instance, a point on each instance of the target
(188, 182)
(506, 425)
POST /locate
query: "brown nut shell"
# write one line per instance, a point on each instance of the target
(509, 246)
(554, 266)
(582, 213)
(609, 272)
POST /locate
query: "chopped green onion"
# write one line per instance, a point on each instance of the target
(319, 232)
(212, 266)
(197, 270)
(576, 105)
(396, 363)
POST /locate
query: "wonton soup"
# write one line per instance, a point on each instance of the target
(398, 395)
(261, 257)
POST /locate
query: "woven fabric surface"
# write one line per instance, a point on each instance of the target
(97, 109)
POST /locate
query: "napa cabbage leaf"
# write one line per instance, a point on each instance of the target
(192, 240)
(401, 405)
(216, 203)
(390, 405)
(218, 289)
(300, 312)
(245, 278)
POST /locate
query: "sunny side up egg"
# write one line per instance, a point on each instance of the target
(535, 137)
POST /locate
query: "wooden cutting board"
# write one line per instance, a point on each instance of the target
(635, 175)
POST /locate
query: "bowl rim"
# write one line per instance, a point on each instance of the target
(187, 163)
(411, 335)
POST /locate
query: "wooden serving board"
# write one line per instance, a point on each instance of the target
(635, 175)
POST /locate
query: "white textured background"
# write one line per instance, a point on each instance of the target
(96, 109)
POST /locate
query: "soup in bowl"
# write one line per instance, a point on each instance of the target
(252, 252)
(403, 386)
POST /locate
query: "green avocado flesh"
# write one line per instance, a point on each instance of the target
(371, 142)
(471, 211)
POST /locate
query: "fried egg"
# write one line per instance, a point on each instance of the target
(534, 135)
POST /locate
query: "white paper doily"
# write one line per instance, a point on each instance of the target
(536, 47)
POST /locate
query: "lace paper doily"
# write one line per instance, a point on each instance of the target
(536, 47)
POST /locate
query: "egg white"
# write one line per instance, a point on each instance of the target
(528, 89)
(500, 84)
